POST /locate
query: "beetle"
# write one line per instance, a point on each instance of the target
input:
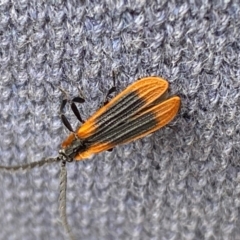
(139, 110)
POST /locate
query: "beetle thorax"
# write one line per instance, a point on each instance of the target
(72, 149)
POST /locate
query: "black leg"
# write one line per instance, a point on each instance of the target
(76, 112)
(66, 123)
(78, 100)
(63, 104)
(63, 117)
(112, 89)
(74, 109)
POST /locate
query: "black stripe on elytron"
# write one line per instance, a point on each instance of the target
(127, 131)
(118, 114)
(124, 108)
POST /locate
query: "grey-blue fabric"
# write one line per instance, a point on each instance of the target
(182, 182)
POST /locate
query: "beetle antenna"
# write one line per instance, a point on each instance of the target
(29, 166)
(62, 200)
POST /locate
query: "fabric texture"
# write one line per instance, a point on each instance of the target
(182, 182)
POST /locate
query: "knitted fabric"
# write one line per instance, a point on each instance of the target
(182, 182)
